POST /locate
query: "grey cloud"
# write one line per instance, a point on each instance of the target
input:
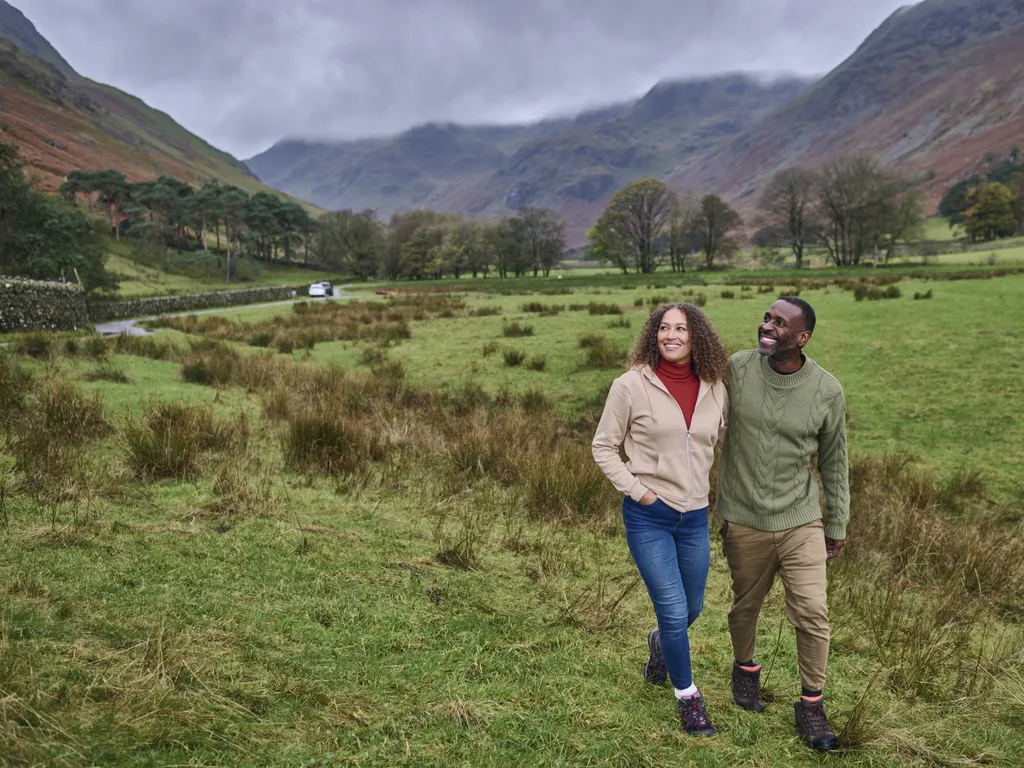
(245, 73)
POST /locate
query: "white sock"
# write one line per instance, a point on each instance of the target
(686, 693)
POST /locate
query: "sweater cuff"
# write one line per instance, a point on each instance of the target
(836, 531)
(637, 491)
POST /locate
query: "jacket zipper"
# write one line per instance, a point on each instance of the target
(689, 467)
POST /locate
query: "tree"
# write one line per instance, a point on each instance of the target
(233, 202)
(109, 188)
(47, 238)
(785, 209)
(714, 221)
(421, 252)
(351, 242)
(157, 202)
(543, 237)
(632, 227)
(954, 203)
(991, 212)
(681, 233)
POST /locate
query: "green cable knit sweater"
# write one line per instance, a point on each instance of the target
(776, 424)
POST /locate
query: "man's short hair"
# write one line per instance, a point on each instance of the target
(805, 309)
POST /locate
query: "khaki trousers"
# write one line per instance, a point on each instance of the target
(798, 555)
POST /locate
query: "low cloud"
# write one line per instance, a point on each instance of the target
(246, 73)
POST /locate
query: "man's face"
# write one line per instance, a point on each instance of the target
(782, 330)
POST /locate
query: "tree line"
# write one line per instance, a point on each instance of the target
(849, 207)
(991, 207)
(417, 245)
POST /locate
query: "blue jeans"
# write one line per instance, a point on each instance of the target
(673, 553)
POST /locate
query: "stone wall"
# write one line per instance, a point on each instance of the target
(103, 311)
(28, 305)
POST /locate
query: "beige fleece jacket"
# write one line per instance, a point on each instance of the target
(663, 456)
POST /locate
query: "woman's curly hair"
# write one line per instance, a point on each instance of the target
(706, 351)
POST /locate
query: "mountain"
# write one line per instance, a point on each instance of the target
(62, 121)
(934, 90)
(478, 169)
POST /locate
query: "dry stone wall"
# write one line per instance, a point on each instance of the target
(100, 312)
(29, 305)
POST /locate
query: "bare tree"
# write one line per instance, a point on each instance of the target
(714, 221)
(786, 208)
(632, 228)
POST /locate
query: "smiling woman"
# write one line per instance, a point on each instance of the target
(667, 412)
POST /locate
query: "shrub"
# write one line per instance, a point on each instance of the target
(537, 363)
(15, 385)
(638, 302)
(728, 295)
(170, 438)
(659, 301)
(513, 357)
(699, 299)
(210, 365)
(107, 371)
(261, 339)
(620, 323)
(583, 307)
(860, 292)
(485, 312)
(588, 340)
(373, 356)
(489, 348)
(534, 400)
(556, 292)
(516, 330)
(285, 346)
(95, 347)
(597, 308)
(893, 292)
(330, 441)
(603, 354)
(36, 344)
(770, 288)
(533, 306)
(926, 295)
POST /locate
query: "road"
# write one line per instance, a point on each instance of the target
(129, 327)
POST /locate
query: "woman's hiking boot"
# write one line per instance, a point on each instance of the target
(746, 688)
(694, 716)
(655, 671)
(813, 725)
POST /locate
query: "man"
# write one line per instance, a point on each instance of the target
(783, 409)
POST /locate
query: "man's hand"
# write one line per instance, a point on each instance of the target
(833, 547)
(648, 498)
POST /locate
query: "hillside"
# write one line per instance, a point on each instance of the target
(933, 90)
(476, 169)
(61, 121)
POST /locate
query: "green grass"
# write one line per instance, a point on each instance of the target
(170, 623)
(138, 280)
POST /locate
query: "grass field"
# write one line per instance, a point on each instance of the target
(446, 581)
(138, 280)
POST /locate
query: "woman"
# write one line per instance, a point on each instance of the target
(667, 412)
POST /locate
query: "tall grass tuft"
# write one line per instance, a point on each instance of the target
(513, 357)
(15, 385)
(330, 441)
(170, 439)
(515, 330)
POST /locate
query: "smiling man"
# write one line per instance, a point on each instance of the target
(783, 410)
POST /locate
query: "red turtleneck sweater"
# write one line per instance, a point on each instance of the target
(681, 384)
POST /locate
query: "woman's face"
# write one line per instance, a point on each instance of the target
(674, 337)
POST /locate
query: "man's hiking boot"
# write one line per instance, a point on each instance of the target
(695, 716)
(655, 671)
(813, 725)
(746, 688)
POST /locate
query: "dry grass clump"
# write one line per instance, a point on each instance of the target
(35, 344)
(329, 441)
(601, 353)
(311, 324)
(170, 440)
(107, 371)
(15, 385)
(243, 488)
(515, 330)
(147, 346)
(598, 308)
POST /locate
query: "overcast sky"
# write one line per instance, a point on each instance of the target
(245, 73)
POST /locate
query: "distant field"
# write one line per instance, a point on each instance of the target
(138, 280)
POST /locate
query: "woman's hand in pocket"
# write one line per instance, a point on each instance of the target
(648, 498)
